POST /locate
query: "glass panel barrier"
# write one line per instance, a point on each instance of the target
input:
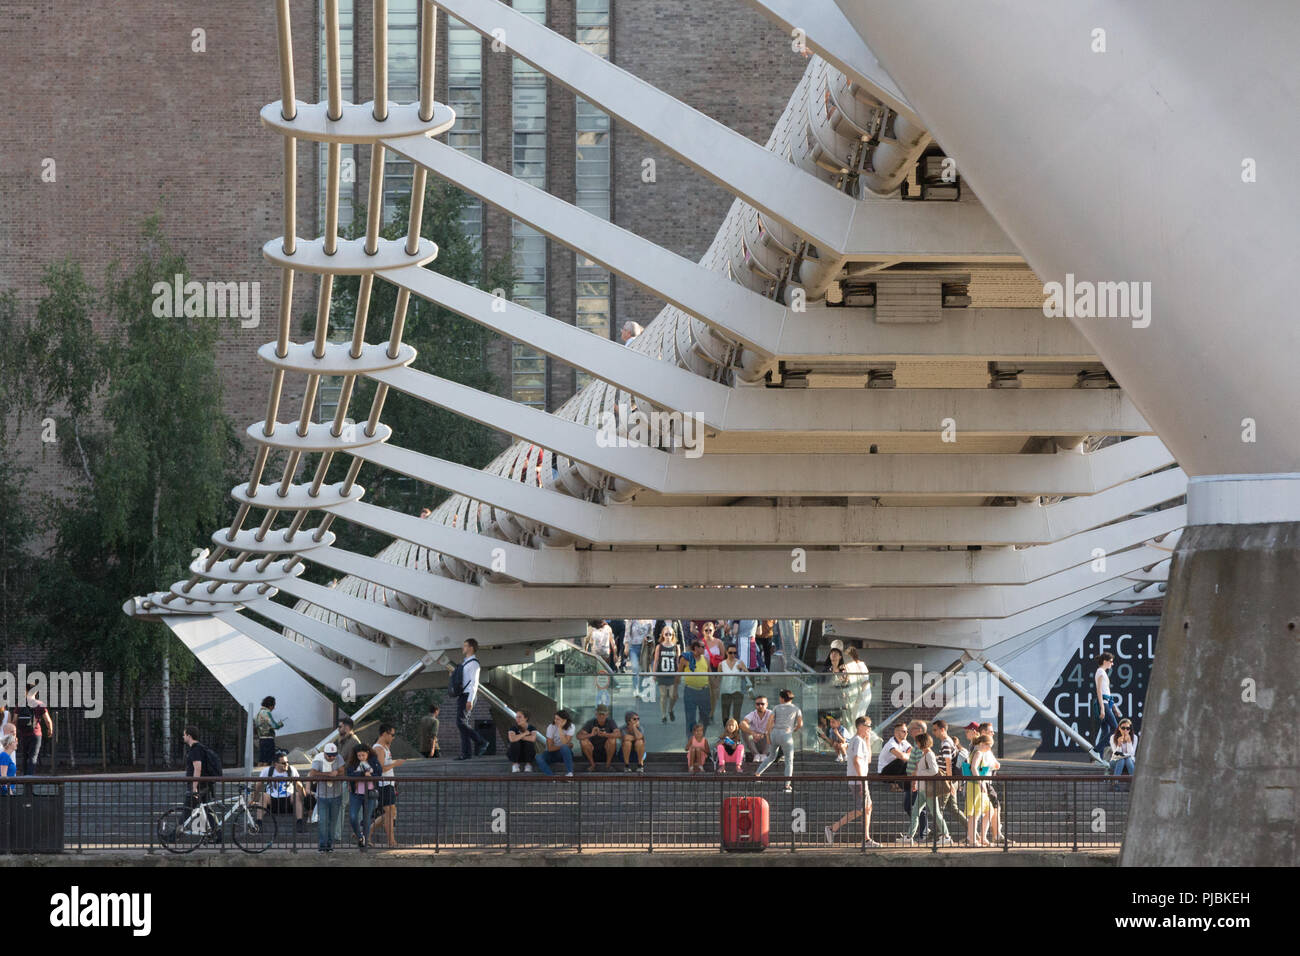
(668, 705)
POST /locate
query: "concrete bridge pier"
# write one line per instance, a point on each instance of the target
(1218, 766)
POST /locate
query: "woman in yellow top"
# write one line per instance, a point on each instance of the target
(979, 810)
(695, 692)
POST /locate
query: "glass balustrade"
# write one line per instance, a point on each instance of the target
(579, 682)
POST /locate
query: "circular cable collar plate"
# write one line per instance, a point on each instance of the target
(358, 123)
(246, 573)
(320, 437)
(337, 359)
(349, 257)
(223, 594)
(274, 542)
(179, 606)
(299, 497)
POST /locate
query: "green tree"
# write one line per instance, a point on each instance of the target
(17, 521)
(447, 345)
(157, 461)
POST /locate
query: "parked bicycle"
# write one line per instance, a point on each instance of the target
(185, 828)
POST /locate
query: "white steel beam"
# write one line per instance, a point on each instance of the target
(773, 566)
(1048, 159)
(758, 322)
(859, 412)
(369, 654)
(996, 335)
(977, 476)
(844, 334)
(301, 657)
(979, 634)
(803, 526)
(709, 296)
(829, 34)
(529, 603)
(838, 224)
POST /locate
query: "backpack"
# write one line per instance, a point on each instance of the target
(26, 720)
(456, 683)
(209, 762)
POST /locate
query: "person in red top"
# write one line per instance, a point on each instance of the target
(716, 651)
(34, 723)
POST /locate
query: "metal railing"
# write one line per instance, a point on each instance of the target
(586, 812)
(133, 737)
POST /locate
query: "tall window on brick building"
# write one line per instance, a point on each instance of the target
(465, 96)
(403, 87)
(346, 72)
(591, 170)
(327, 398)
(528, 366)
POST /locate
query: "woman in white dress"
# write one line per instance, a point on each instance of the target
(859, 689)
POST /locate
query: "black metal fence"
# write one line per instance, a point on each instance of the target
(587, 813)
(133, 737)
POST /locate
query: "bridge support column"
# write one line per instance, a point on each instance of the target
(1218, 765)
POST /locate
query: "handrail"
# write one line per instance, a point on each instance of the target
(701, 779)
(565, 644)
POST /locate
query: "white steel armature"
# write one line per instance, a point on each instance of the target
(873, 385)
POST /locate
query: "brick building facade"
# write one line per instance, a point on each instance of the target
(149, 110)
(141, 114)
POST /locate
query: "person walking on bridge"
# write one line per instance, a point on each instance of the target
(472, 743)
(859, 765)
(1107, 703)
(787, 720)
(387, 791)
(665, 663)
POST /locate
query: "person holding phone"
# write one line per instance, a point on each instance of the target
(1123, 751)
(559, 744)
(362, 772)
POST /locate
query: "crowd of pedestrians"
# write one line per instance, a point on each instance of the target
(635, 644)
(921, 756)
(946, 781)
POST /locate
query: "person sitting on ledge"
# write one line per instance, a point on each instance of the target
(599, 735)
(633, 742)
(730, 747)
(697, 750)
(522, 749)
(559, 744)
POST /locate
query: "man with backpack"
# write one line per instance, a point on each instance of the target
(200, 761)
(950, 754)
(463, 685)
(34, 724)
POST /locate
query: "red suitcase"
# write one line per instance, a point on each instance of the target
(744, 824)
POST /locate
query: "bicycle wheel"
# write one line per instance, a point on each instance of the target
(250, 835)
(182, 829)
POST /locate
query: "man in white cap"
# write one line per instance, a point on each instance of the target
(326, 772)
